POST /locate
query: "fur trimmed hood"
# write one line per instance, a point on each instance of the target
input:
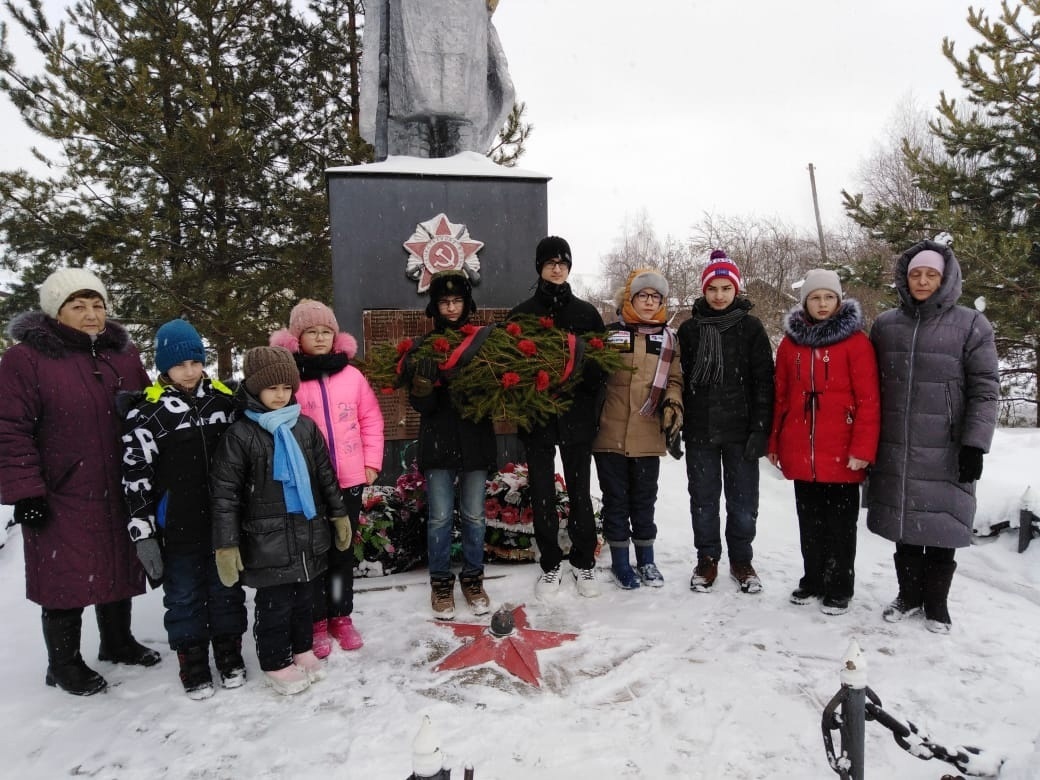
(802, 330)
(52, 339)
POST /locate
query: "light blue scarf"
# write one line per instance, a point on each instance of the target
(290, 467)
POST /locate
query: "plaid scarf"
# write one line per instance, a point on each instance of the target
(664, 363)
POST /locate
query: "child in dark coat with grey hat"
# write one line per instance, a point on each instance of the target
(274, 493)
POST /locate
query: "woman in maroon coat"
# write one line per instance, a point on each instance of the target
(60, 466)
(826, 419)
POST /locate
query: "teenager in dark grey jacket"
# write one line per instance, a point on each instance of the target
(939, 388)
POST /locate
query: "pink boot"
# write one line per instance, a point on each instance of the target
(292, 679)
(322, 641)
(313, 666)
(342, 629)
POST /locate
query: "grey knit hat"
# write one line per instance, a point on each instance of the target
(821, 279)
(649, 279)
(264, 367)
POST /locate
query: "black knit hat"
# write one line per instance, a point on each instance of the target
(444, 284)
(264, 367)
(550, 247)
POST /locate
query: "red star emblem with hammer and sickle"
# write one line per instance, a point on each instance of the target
(440, 245)
(516, 652)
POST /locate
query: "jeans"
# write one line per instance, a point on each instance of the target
(581, 523)
(282, 625)
(198, 605)
(709, 469)
(629, 487)
(440, 493)
(333, 591)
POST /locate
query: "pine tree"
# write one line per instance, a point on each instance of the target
(193, 139)
(984, 188)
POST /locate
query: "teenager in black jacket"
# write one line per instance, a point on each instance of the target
(572, 431)
(728, 410)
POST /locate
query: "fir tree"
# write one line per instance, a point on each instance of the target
(984, 188)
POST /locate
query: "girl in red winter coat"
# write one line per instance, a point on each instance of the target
(826, 419)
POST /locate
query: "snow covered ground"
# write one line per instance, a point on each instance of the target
(660, 683)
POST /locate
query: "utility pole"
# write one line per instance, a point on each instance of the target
(816, 208)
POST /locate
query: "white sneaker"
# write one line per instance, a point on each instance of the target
(547, 586)
(585, 580)
(292, 679)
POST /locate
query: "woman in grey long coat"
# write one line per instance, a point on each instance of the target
(939, 388)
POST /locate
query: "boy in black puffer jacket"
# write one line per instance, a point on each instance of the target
(727, 366)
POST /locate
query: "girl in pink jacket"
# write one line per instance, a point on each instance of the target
(339, 399)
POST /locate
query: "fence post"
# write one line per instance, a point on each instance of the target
(853, 709)
(427, 760)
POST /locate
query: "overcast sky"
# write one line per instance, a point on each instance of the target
(716, 106)
(682, 107)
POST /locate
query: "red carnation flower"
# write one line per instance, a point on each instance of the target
(386, 390)
(509, 468)
(541, 381)
(596, 343)
(546, 322)
(491, 509)
(468, 329)
(404, 345)
(509, 379)
(528, 347)
(513, 329)
(510, 516)
(441, 345)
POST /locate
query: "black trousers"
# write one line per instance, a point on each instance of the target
(282, 624)
(581, 523)
(333, 591)
(827, 515)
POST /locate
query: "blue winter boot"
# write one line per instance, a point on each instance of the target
(648, 571)
(621, 568)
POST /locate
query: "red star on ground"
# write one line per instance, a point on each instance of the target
(515, 652)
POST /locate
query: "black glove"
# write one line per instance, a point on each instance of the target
(969, 464)
(31, 512)
(150, 554)
(756, 446)
(423, 377)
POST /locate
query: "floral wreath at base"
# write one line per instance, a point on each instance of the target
(523, 372)
(391, 531)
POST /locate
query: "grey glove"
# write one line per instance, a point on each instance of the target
(344, 533)
(671, 424)
(150, 553)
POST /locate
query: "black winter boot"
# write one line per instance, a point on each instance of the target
(227, 654)
(117, 643)
(195, 674)
(65, 666)
(938, 576)
(910, 574)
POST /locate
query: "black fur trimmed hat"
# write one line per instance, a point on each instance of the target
(444, 284)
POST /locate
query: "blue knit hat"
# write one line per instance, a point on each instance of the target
(175, 342)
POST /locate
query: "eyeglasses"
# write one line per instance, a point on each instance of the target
(556, 263)
(451, 302)
(647, 296)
